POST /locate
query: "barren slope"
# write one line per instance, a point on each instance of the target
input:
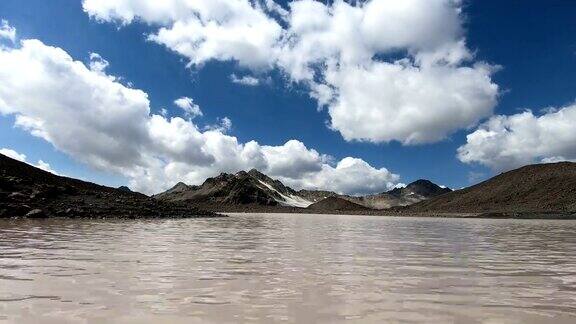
(533, 188)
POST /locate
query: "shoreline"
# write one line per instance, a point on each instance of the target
(489, 215)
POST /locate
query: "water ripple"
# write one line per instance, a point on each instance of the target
(294, 268)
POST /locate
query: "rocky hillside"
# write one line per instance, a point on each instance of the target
(316, 195)
(533, 188)
(242, 188)
(26, 191)
(414, 192)
(336, 204)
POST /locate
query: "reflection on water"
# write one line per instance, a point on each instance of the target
(293, 268)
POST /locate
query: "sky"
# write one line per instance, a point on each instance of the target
(356, 97)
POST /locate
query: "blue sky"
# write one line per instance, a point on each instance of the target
(532, 41)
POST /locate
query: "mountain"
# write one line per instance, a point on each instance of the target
(316, 195)
(252, 187)
(335, 203)
(178, 189)
(26, 191)
(414, 192)
(419, 190)
(533, 188)
(257, 189)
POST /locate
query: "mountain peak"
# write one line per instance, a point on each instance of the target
(124, 188)
(180, 186)
(255, 173)
(420, 187)
(422, 182)
(178, 189)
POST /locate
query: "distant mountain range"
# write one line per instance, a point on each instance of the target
(254, 187)
(534, 191)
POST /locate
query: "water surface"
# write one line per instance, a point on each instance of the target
(288, 268)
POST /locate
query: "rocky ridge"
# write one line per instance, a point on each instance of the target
(26, 191)
(256, 189)
(242, 188)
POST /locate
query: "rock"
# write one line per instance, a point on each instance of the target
(17, 195)
(34, 194)
(15, 210)
(36, 214)
(50, 192)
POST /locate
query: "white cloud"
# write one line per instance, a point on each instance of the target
(507, 142)
(245, 80)
(97, 63)
(350, 176)
(22, 158)
(45, 166)
(84, 113)
(224, 125)
(13, 154)
(393, 101)
(556, 159)
(386, 70)
(190, 108)
(7, 31)
(200, 29)
(97, 120)
(292, 160)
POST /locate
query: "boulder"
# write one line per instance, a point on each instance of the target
(36, 214)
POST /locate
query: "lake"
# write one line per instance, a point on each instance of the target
(288, 268)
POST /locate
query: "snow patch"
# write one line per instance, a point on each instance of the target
(291, 200)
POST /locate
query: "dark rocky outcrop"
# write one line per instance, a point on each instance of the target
(26, 191)
(124, 188)
(419, 188)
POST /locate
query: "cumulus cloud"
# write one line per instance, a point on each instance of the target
(82, 112)
(7, 31)
(245, 80)
(384, 102)
(22, 158)
(190, 108)
(349, 176)
(292, 160)
(507, 142)
(94, 118)
(201, 29)
(386, 70)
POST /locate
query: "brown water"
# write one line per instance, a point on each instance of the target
(288, 268)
